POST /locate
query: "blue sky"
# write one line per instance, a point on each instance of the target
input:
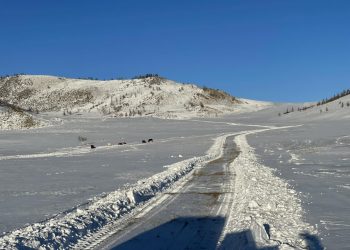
(283, 50)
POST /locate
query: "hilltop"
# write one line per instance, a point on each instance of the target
(146, 96)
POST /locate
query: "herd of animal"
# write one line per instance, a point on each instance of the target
(92, 146)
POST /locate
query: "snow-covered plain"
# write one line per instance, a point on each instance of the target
(292, 173)
(47, 171)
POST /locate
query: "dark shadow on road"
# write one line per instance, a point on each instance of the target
(242, 241)
(191, 233)
(313, 242)
(201, 233)
(179, 233)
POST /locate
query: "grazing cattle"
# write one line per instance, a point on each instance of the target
(150, 140)
(143, 141)
(92, 146)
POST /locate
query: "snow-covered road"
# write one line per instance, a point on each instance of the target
(227, 201)
(44, 172)
(190, 216)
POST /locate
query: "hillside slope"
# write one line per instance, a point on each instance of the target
(151, 96)
(337, 109)
(12, 118)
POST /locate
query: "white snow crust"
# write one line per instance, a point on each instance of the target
(65, 229)
(260, 197)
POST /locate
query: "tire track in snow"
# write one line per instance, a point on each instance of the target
(153, 212)
(235, 124)
(102, 240)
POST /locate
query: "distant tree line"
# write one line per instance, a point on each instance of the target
(335, 97)
(145, 76)
(324, 101)
(88, 78)
(121, 77)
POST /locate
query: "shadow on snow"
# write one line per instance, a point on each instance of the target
(200, 233)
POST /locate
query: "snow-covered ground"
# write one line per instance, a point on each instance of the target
(314, 159)
(256, 202)
(292, 173)
(260, 198)
(47, 171)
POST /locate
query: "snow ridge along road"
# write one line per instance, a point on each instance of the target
(264, 207)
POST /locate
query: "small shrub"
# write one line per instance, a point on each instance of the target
(82, 138)
(218, 94)
(191, 104)
(28, 122)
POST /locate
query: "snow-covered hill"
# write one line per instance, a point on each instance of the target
(338, 109)
(12, 118)
(152, 96)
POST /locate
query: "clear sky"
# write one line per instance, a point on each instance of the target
(279, 50)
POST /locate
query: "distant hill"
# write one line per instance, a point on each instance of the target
(335, 107)
(146, 96)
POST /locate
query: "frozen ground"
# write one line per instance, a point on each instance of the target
(185, 217)
(229, 203)
(46, 171)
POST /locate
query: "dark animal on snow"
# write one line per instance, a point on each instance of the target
(93, 146)
(121, 143)
(150, 140)
(143, 141)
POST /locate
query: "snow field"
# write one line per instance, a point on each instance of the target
(65, 229)
(320, 175)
